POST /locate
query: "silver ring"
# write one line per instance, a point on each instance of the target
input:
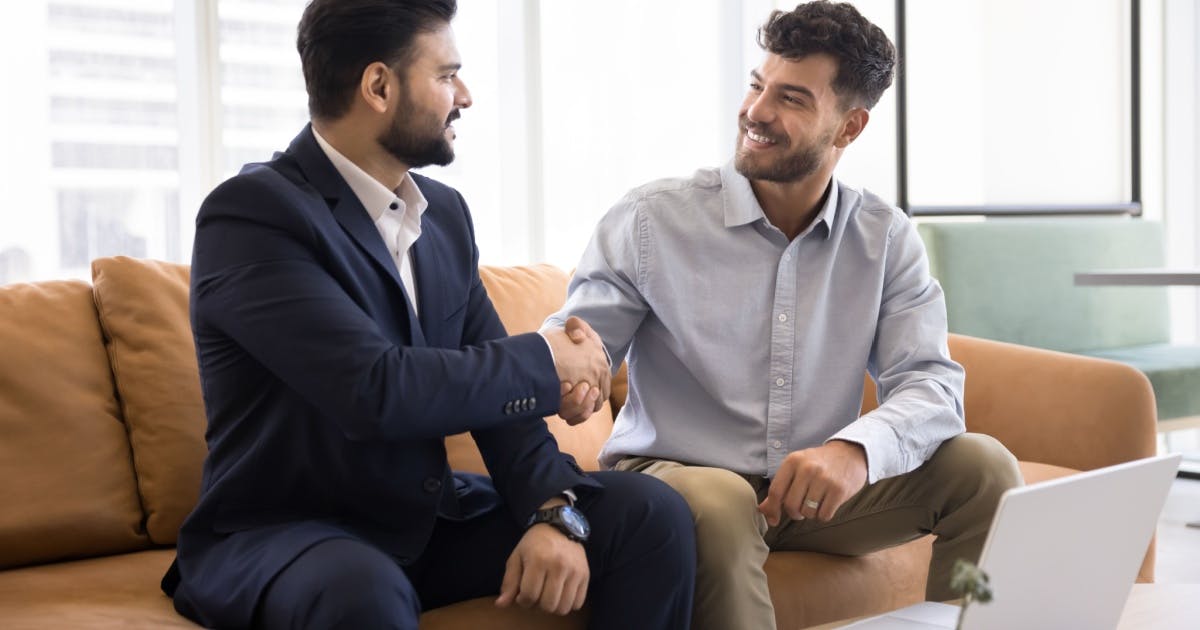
(809, 503)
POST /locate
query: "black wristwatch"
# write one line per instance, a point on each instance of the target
(566, 519)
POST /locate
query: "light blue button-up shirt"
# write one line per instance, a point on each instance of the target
(743, 346)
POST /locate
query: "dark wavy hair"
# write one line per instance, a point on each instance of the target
(866, 58)
(337, 39)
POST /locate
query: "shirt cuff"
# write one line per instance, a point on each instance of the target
(548, 347)
(876, 439)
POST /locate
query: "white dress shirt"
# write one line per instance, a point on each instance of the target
(396, 213)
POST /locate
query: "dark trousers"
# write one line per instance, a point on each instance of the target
(641, 555)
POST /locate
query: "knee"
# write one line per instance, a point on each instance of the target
(982, 463)
(344, 584)
(721, 502)
(370, 596)
(654, 511)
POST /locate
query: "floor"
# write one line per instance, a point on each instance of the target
(1179, 545)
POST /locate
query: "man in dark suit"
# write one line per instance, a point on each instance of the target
(342, 332)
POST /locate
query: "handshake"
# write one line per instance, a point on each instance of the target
(583, 369)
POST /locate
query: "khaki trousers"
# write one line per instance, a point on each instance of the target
(953, 496)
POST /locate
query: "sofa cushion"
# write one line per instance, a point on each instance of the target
(524, 297)
(1173, 370)
(114, 592)
(143, 306)
(66, 478)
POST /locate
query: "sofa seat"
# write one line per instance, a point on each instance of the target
(119, 591)
(1173, 370)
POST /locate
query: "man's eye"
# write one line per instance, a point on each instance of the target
(756, 87)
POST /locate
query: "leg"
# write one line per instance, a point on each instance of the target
(731, 586)
(953, 496)
(641, 554)
(340, 583)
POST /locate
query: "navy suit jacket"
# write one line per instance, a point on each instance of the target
(328, 398)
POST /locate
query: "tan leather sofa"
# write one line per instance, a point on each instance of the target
(102, 438)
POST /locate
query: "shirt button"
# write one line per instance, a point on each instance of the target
(432, 485)
(783, 317)
(776, 444)
(787, 257)
(394, 206)
(779, 381)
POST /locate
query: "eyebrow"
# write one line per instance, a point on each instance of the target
(447, 67)
(787, 87)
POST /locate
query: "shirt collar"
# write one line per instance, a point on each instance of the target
(742, 207)
(374, 196)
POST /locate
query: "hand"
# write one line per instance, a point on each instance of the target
(548, 570)
(579, 402)
(828, 474)
(580, 358)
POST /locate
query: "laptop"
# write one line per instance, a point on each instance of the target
(1060, 554)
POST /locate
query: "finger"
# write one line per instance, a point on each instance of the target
(552, 590)
(567, 602)
(532, 579)
(581, 593)
(793, 503)
(817, 489)
(511, 581)
(565, 388)
(777, 491)
(595, 401)
(830, 503)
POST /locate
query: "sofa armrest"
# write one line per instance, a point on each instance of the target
(1056, 408)
(1051, 407)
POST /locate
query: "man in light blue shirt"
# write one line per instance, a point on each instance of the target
(749, 300)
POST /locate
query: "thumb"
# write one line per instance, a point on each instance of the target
(510, 585)
(770, 509)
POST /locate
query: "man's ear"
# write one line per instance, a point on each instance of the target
(853, 123)
(375, 86)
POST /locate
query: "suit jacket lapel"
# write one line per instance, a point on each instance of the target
(351, 215)
(425, 270)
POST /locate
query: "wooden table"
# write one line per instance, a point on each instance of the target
(1149, 607)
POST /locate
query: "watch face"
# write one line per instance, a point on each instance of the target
(575, 521)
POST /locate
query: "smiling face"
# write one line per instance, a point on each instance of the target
(430, 97)
(791, 123)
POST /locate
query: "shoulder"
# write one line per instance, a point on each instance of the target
(868, 212)
(664, 200)
(260, 191)
(669, 193)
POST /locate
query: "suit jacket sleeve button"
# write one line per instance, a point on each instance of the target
(508, 408)
(432, 485)
(533, 402)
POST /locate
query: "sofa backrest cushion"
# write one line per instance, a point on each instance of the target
(143, 307)
(524, 297)
(67, 484)
(1013, 279)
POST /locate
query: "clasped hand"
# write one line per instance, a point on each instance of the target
(582, 367)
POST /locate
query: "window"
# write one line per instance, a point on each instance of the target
(1024, 102)
(92, 165)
